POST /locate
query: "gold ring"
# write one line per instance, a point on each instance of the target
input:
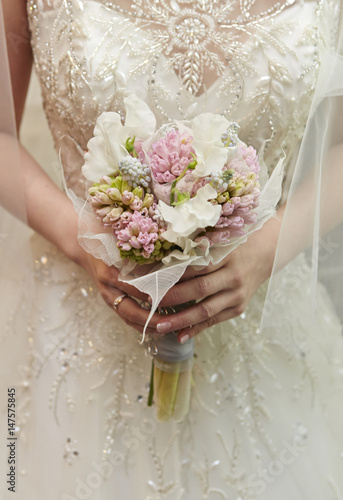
(118, 300)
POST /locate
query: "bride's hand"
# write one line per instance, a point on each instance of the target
(106, 279)
(223, 290)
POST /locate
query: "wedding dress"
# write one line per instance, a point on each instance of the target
(265, 415)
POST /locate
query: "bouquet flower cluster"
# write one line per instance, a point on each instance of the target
(185, 194)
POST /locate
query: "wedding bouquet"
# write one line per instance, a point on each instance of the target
(186, 194)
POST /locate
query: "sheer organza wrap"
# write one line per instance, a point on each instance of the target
(16, 273)
(312, 229)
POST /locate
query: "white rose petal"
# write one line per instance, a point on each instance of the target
(211, 153)
(104, 151)
(190, 216)
(140, 120)
(107, 148)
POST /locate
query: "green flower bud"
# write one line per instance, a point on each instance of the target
(223, 197)
(125, 186)
(148, 200)
(114, 194)
(139, 192)
(130, 146)
(117, 182)
(92, 191)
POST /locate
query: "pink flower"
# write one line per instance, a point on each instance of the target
(223, 222)
(241, 211)
(250, 157)
(246, 158)
(141, 232)
(100, 199)
(124, 220)
(250, 218)
(163, 178)
(124, 246)
(236, 222)
(171, 155)
(127, 197)
(219, 236)
(102, 212)
(228, 208)
(147, 251)
(124, 235)
(136, 204)
(204, 241)
(113, 216)
(247, 200)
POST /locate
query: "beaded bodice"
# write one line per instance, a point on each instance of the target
(254, 61)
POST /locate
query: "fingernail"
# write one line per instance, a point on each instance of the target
(164, 327)
(184, 339)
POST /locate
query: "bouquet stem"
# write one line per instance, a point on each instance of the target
(151, 387)
(166, 390)
(171, 373)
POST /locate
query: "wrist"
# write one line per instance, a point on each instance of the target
(65, 235)
(264, 243)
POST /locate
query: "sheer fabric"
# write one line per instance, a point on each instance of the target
(267, 398)
(16, 276)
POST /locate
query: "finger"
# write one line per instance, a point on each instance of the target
(109, 276)
(203, 311)
(130, 311)
(192, 273)
(128, 308)
(196, 288)
(192, 331)
(132, 291)
(203, 286)
(138, 328)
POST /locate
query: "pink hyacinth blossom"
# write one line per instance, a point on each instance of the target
(250, 157)
(127, 197)
(247, 200)
(171, 155)
(100, 199)
(236, 222)
(217, 237)
(124, 235)
(113, 216)
(137, 204)
(223, 222)
(246, 159)
(102, 212)
(165, 177)
(250, 218)
(204, 241)
(140, 232)
(242, 211)
(124, 246)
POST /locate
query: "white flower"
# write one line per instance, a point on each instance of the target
(107, 148)
(211, 153)
(187, 218)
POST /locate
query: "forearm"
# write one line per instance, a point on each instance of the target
(48, 210)
(314, 208)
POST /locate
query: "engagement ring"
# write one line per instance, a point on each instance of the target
(118, 300)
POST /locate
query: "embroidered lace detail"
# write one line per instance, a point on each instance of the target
(106, 356)
(256, 66)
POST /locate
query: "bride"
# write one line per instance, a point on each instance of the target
(267, 397)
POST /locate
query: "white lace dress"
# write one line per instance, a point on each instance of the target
(264, 421)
